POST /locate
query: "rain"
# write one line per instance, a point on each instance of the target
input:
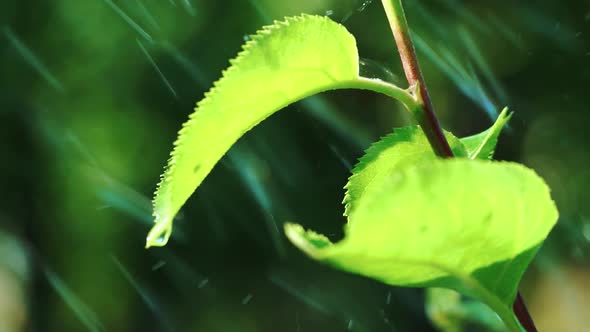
(94, 93)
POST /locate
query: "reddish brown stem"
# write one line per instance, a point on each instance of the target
(523, 315)
(427, 119)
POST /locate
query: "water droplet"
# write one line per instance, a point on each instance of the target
(364, 5)
(161, 240)
(329, 12)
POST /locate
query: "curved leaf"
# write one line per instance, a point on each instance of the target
(470, 225)
(281, 64)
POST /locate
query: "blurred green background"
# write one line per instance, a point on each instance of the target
(92, 93)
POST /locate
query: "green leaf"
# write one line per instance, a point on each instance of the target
(407, 145)
(483, 145)
(451, 312)
(469, 225)
(281, 64)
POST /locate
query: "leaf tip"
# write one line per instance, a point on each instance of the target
(308, 241)
(160, 233)
(504, 116)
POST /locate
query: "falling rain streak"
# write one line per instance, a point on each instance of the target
(176, 285)
(188, 6)
(157, 69)
(464, 78)
(129, 21)
(247, 299)
(148, 15)
(143, 293)
(32, 60)
(84, 314)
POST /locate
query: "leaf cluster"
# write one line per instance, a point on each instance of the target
(469, 223)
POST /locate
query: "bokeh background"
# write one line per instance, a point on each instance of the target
(93, 92)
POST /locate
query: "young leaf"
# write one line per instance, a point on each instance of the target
(281, 64)
(469, 225)
(404, 146)
(483, 145)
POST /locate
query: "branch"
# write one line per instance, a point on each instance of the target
(427, 117)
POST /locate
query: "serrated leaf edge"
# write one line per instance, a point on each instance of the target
(369, 154)
(169, 170)
(492, 133)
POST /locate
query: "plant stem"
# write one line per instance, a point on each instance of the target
(523, 314)
(427, 116)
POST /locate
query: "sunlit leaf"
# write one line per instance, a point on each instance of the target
(404, 146)
(470, 225)
(279, 65)
(483, 145)
(409, 145)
